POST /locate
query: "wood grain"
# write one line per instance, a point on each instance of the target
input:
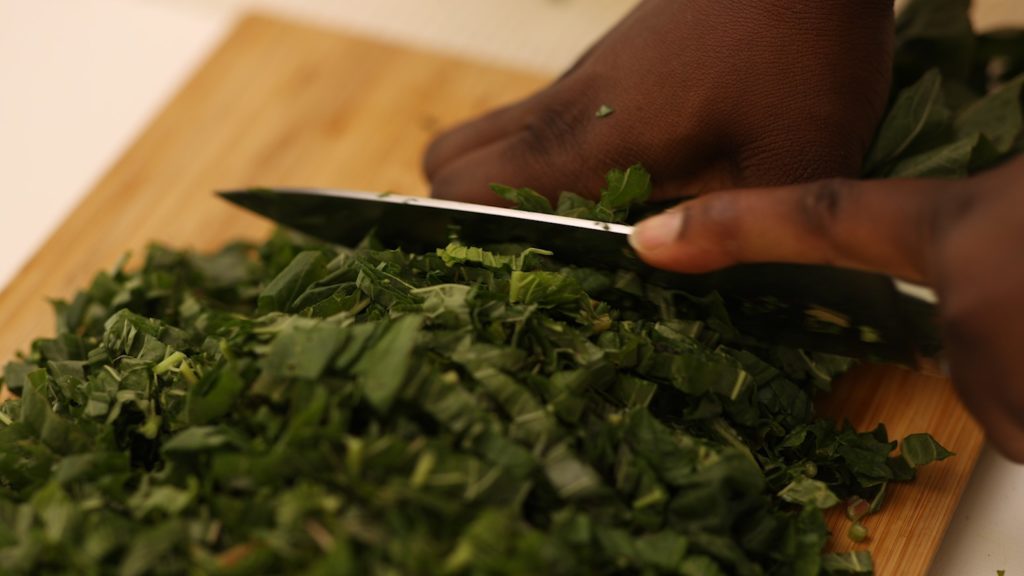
(907, 533)
(282, 104)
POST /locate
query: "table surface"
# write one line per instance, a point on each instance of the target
(81, 78)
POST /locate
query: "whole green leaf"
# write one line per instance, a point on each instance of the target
(997, 116)
(918, 110)
(949, 161)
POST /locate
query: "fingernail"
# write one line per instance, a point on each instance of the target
(657, 232)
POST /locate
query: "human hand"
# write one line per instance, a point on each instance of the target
(964, 237)
(706, 95)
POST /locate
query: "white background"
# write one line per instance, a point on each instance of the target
(79, 79)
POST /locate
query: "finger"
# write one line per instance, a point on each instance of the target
(978, 379)
(886, 226)
(980, 283)
(468, 136)
(988, 380)
(557, 148)
(514, 161)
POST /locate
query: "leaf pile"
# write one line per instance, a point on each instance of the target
(957, 102)
(300, 408)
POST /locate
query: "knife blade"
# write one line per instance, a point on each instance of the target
(815, 307)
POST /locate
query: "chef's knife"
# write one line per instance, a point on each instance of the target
(816, 307)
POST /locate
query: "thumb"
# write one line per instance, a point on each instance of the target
(886, 226)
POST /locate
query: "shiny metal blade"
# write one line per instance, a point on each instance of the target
(821, 308)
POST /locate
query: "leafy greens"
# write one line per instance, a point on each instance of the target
(302, 408)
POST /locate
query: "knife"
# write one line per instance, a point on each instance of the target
(819, 308)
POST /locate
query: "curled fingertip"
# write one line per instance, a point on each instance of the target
(657, 233)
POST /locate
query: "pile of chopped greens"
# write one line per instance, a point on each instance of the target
(294, 407)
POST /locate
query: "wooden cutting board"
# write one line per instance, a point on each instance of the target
(283, 104)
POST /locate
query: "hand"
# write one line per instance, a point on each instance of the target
(706, 95)
(964, 237)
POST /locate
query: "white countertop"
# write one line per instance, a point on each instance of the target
(80, 78)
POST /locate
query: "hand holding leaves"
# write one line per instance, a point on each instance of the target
(706, 95)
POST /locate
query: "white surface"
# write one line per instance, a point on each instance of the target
(80, 78)
(986, 533)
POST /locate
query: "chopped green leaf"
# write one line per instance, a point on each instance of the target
(920, 449)
(524, 198)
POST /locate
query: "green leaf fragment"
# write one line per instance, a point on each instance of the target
(857, 562)
(307, 267)
(920, 449)
(857, 532)
(384, 365)
(303, 349)
(197, 439)
(624, 188)
(997, 116)
(917, 110)
(809, 492)
(524, 198)
(543, 288)
(948, 161)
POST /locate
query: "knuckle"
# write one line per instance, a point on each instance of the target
(552, 129)
(717, 219)
(559, 120)
(556, 141)
(822, 204)
(822, 208)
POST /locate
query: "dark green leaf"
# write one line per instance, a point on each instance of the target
(920, 449)
(917, 110)
(997, 117)
(306, 268)
(949, 161)
(809, 492)
(524, 198)
(383, 367)
(858, 562)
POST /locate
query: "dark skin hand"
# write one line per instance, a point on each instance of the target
(964, 237)
(707, 95)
